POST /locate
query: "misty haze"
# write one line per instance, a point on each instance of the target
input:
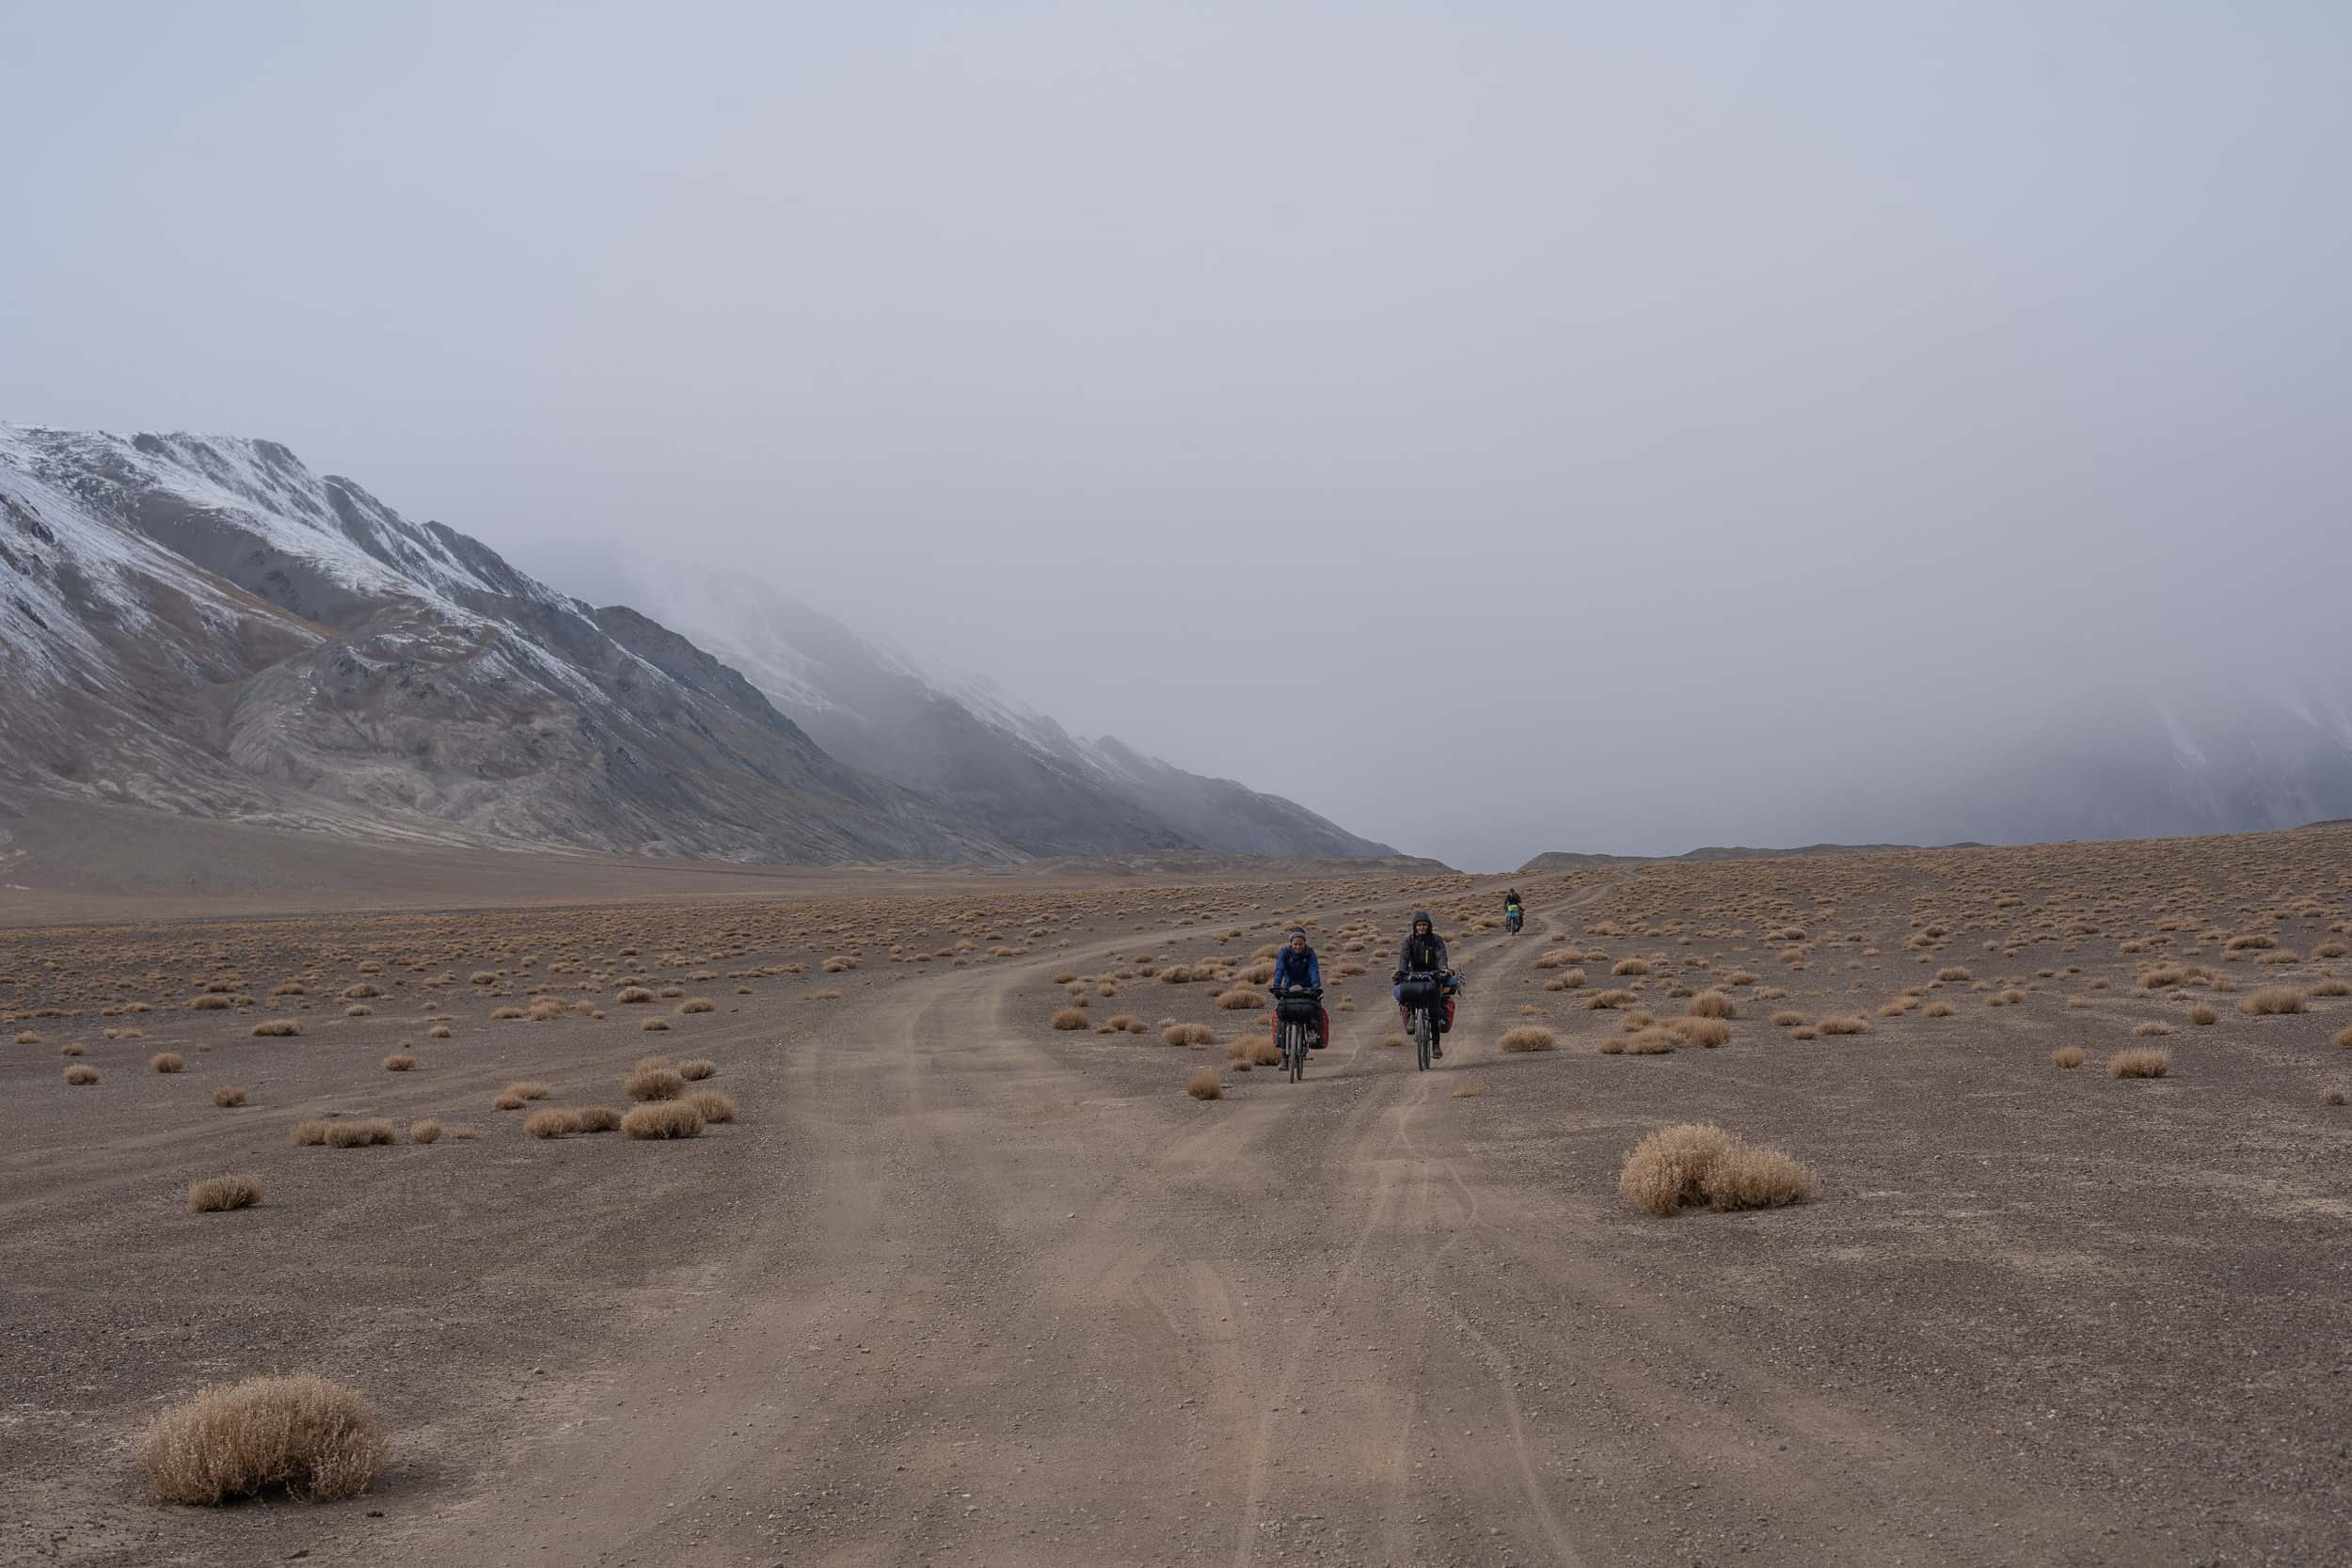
(1295, 776)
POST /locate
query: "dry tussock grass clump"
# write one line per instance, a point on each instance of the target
(1071, 1018)
(2251, 942)
(698, 1004)
(166, 1061)
(25, 1036)
(551, 1122)
(358, 1009)
(1567, 980)
(632, 996)
(2342, 1040)
(1704, 1033)
(717, 1107)
(654, 1082)
(211, 1002)
(1848, 1026)
(229, 1095)
(314, 1438)
(597, 1118)
(400, 1061)
(218, 1194)
(1955, 973)
(655, 1027)
(666, 1118)
(1124, 1024)
(424, 1131)
(1203, 1085)
(1558, 956)
(79, 1075)
(695, 1068)
(2331, 987)
(2332, 1097)
(439, 1032)
(2272, 999)
(1193, 1034)
(1612, 999)
(1649, 1042)
(506, 1015)
(1469, 1088)
(2140, 1063)
(1528, 1038)
(275, 1028)
(2203, 1013)
(1626, 969)
(1786, 1018)
(1696, 1162)
(1241, 998)
(2151, 1028)
(2068, 1056)
(1938, 1010)
(1710, 1004)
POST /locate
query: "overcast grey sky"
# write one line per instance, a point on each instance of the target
(1500, 426)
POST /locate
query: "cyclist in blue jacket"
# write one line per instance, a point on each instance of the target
(1297, 965)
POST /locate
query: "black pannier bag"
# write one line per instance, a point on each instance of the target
(1299, 1009)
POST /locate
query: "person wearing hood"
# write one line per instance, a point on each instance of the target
(1297, 965)
(1424, 949)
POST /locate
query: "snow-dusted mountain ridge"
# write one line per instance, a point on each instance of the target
(203, 625)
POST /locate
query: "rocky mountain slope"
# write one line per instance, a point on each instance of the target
(969, 745)
(205, 625)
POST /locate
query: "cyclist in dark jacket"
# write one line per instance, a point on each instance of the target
(1297, 965)
(1424, 949)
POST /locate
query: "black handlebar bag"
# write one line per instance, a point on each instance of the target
(1420, 993)
(1298, 1009)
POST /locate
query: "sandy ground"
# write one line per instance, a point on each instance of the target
(962, 1287)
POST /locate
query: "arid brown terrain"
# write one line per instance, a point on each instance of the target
(958, 1285)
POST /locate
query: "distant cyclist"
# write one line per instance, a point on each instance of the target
(1513, 912)
(1297, 965)
(1423, 952)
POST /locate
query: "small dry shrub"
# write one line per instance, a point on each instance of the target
(1848, 1026)
(1528, 1038)
(654, 1082)
(218, 1193)
(25, 1036)
(2140, 1063)
(632, 995)
(508, 1101)
(506, 1015)
(2332, 1097)
(1469, 1088)
(1612, 999)
(1651, 1041)
(2272, 999)
(78, 1074)
(1953, 973)
(529, 1088)
(1125, 1023)
(666, 1118)
(2331, 987)
(1710, 1004)
(2342, 1040)
(654, 1026)
(1565, 980)
(439, 1032)
(697, 1068)
(1786, 1018)
(399, 1061)
(1626, 969)
(211, 1002)
(1187, 1034)
(310, 1134)
(1704, 1033)
(228, 1096)
(424, 1131)
(166, 1061)
(1937, 1009)
(1685, 1165)
(715, 1105)
(1241, 998)
(1071, 1018)
(1203, 1085)
(1802, 1032)
(597, 1118)
(698, 1004)
(2203, 1013)
(275, 1028)
(2151, 1028)
(315, 1438)
(550, 1122)
(2068, 1056)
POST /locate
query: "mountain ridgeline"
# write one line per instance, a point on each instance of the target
(203, 626)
